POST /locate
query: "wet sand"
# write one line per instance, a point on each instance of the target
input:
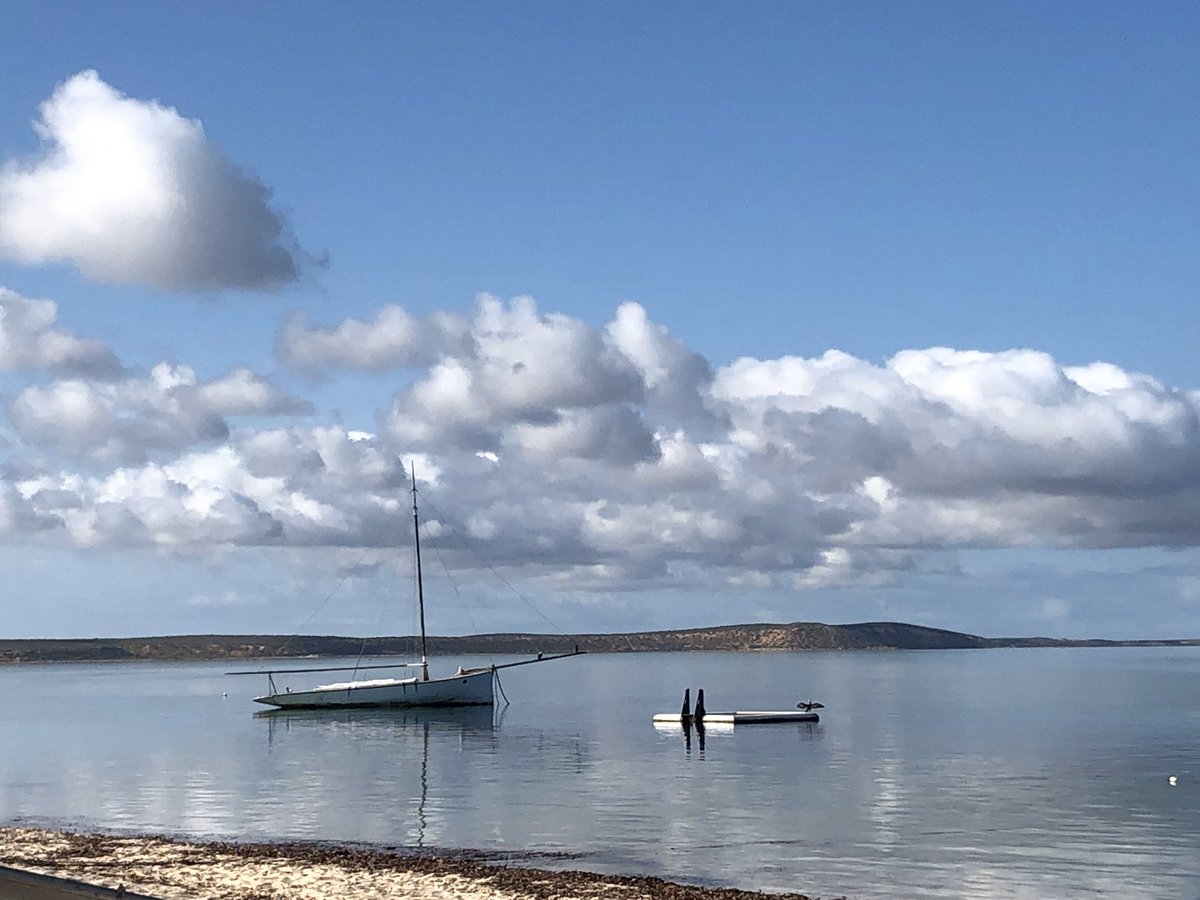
(166, 868)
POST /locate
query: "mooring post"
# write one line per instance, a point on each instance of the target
(699, 704)
(686, 712)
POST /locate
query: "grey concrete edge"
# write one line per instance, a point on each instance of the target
(19, 884)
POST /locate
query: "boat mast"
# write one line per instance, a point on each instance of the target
(420, 587)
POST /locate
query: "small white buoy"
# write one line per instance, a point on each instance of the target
(224, 693)
(1172, 781)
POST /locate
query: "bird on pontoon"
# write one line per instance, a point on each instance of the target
(809, 705)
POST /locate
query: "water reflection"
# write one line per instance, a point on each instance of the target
(966, 774)
(422, 819)
(385, 721)
(696, 735)
(407, 729)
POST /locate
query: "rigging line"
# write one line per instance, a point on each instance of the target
(323, 603)
(454, 586)
(362, 650)
(463, 605)
(492, 568)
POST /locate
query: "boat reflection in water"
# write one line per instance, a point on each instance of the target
(394, 722)
(398, 734)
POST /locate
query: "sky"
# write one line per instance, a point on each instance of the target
(683, 315)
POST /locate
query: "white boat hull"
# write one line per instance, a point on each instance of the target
(467, 689)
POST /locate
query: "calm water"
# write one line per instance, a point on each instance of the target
(1005, 773)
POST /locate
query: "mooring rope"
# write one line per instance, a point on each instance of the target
(496, 676)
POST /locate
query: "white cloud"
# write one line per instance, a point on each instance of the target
(677, 380)
(393, 339)
(523, 369)
(29, 340)
(130, 420)
(131, 192)
(65, 412)
(616, 457)
(547, 383)
(293, 488)
(985, 426)
(832, 469)
(614, 433)
(244, 393)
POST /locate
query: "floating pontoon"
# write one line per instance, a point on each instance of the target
(740, 717)
(701, 716)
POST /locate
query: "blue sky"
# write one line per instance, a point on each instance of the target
(284, 248)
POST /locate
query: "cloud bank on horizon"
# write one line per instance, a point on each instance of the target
(608, 457)
(611, 458)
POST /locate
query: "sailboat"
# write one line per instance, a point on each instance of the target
(466, 687)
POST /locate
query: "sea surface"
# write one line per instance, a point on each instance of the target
(971, 773)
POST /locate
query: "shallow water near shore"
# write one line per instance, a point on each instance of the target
(999, 773)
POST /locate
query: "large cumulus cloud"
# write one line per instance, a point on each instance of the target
(615, 457)
(525, 377)
(131, 192)
(969, 448)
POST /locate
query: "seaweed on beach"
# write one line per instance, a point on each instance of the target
(496, 868)
(97, 853)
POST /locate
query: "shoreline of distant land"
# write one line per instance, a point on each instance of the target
(792, 636)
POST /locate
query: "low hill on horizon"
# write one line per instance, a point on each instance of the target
(727, 638)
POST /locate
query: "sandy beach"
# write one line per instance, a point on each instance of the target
(167, 868)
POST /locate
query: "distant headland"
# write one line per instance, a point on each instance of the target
(730, 638)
